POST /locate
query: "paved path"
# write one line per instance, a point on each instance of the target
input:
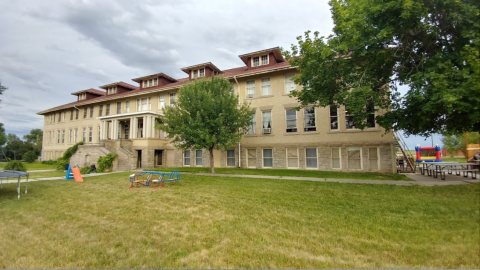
(417, 179)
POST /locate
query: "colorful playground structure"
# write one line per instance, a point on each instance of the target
(154, 179)
(428, 154)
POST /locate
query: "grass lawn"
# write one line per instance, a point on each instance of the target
(215, 222)
(33, 166)
(461, 159)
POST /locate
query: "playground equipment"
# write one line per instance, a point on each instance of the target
(74, 173)
(428, 154)
(154, 179)
(14, 174)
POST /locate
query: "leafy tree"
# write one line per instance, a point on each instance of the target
(29, 156)
(206, 116)
(432, 47)
(2, 88)
(35, 137)
(452, 144)
(3, 137)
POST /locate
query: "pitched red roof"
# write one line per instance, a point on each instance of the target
(91, 90)
(124, 84)
(161, 74)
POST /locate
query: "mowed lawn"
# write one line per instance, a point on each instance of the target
(215, 222)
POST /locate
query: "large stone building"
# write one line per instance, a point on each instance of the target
(121, 119)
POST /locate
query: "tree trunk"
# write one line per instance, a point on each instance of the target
(212, 168)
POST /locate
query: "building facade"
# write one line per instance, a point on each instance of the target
(121, 119)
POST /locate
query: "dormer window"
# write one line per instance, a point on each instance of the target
(197, 73)
(82, 96)
(150, 82)
(260, 60)
(112, 90)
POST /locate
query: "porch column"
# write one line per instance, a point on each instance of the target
(114, 129)
(134, 127)
(146, 126)
(153, 126)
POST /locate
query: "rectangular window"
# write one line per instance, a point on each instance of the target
(70, 135)
(266, 87)
(252, 128)
(336, 161)
(230, 158)
(309, 118)
(107, 109)
(250, 89)
(373, 158)
(292, 157)
(98, 128)
(349, 123)
(267, 158)
(71, 115)
(267, 122)
(333, 118)
(264, 59)
(161, 100)
(251, 158)
(75, 135)
(195, 73)
(198, 157)
(85, 111)
(127, 106)
(256, 61)
(84, 135)
(90, 134)
(76, 114)
(186, 158)
(291, 116)
(173, 99)
(91, 111)
(150, 82)
(64, 116)
(58, 136)
(201, 72)
(371, 116)
(63, 136)
(311, 157)
(119, 107)
(289, 84)
(155, 81)
(354, 155)
(100, 110)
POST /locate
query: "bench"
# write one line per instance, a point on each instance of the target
(465, 172)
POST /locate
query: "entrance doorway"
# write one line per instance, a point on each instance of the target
(139, 158)
(159, 158)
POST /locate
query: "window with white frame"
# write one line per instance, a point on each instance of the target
(100, 110)
(250, 89)
(107, 109)
(311, 158)
(231, 158)
(85, 113)
(64, 116)
(76, 114)
(144, 104)
(252, 128)
(90, 134)
(119, 107)
(71, 115)
(291, 117)
(150, 82)
(289, 84)
(266, 87)
(266, 122)
(336, 158)
(186, 158)
(84, 135)
(197, 73)
(58, 136)
(333, 118)
(373, 158)
(70, 135)
(198, 157)
(145, 83)
(260, 60)
(371, 116)
(155, 82)
(91, 111)
(292, 157)
(127, 106)
(267, 158)
(354, 160)
(98, 128)
(63, 136)
(112, 90)
(161, 101)
(75, 135)
(251, 158)
(173, 99)
(309, 119)
(349, 122)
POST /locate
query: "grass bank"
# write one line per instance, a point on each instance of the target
(214, 222)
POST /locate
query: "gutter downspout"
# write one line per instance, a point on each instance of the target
(239, 144)
(76, 107)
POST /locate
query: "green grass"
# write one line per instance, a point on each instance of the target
(215, 222)
(32, 166)
(461, 159)
(296, 173)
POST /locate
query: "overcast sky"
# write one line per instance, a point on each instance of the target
(50, 49)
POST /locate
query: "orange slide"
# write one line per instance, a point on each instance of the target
(76, 174)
